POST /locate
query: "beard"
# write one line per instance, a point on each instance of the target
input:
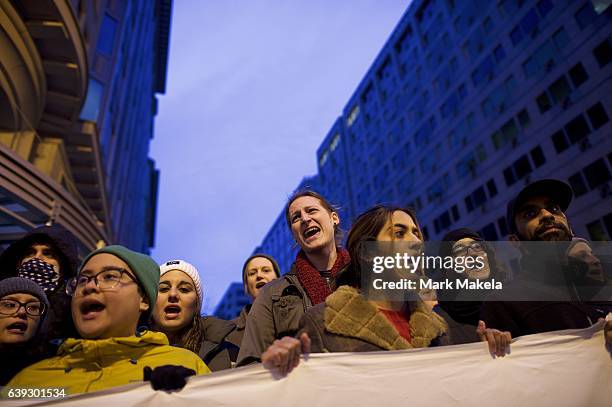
(562, 235)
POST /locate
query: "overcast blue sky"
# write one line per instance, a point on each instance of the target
(253, 88)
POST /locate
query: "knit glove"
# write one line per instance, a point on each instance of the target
(167, 377)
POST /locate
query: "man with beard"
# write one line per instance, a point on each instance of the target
(544, 297)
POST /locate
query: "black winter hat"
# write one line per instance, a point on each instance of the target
(56, 236)
(451, 237)
(266, 256)
(15, 285)
(560, 192)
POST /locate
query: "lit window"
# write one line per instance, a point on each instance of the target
(334, 142)
(91, 108)
(353, 116)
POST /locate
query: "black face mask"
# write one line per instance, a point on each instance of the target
(41, 272)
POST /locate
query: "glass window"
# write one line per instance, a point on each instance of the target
(462, 91)
(560, 38)
(522, 167)
(524, 119)
(91, 108)
(578, 185)
(585, 16)
(598, 116)
(530, 21)
(492, 188)
(487, 25)
(499, 53)
(577, 129)
(543, 102)
(509, 176)
(106, 38)
(537, 157)
(479, 197)
(603, 52)
(516, 35)
(597, 173)
(544, 7)
(578, 75)
(559, 141)
(455, 212)
(559, 90)
(469, 205)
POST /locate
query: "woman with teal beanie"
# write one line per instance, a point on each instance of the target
(113, 292)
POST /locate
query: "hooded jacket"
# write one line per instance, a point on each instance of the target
(218, 350)
(87, 365)
(58, 322)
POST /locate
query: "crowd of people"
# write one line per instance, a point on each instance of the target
(119, 317)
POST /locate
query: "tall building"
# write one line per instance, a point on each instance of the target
(232, 302)
(467, 102)
(77, 104)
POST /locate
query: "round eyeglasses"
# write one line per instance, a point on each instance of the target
(105, 280)
(474, 247)
(12, 307)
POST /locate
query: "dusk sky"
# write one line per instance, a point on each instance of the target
(253, 88)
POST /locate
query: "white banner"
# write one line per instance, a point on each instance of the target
(564, 368)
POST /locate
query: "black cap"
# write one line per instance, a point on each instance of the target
(560, 192)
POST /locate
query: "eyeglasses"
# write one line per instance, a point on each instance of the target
(105, 280)
(12, 307)
(475, 247)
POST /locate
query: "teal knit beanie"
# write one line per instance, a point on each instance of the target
(144, 268)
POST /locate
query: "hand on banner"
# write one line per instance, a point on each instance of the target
(167, 377)
(284, 355)
(499, 342)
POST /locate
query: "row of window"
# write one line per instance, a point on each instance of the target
(524, 166)
(560, 90)
(478, 197)
(528, 27)
(508, 132)
(446, 219)
(597, 229)
(577, 129)
(595, 175)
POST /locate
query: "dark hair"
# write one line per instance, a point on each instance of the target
(366, 228)
(254, 256)
(326, 204)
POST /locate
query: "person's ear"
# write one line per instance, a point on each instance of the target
(335, 219)
(144, 304)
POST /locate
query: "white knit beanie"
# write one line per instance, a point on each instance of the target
(186, 268)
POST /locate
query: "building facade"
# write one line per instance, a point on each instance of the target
(466, 103)
(77, 104)
(232, 302)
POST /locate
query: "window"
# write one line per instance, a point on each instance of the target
(560, 38)
(578, 185)
(509, 176)
(597, 173)
(523, 118)
(578, 75)
(559, 90)
(91, 108)
(492, 188)
(529, 22)
(559, 141)
(487, 25)
(585, 15)
(543, 103)
(499, 53)
(603, 52)
(537, 157)
(516, 35)
(521, 167)
(106, 38)
(577, 129)
(461, 91)
(455, 213)
(597, 115)
(544, 7)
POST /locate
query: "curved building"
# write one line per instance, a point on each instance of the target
(62, 78)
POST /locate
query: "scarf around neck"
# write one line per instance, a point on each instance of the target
(311, 279)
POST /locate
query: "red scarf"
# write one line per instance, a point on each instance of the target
(310, 278)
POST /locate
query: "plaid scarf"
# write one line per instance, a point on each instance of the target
(310, 278)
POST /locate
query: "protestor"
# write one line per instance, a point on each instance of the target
(48, 256)
(538, 214)
(461, 243)
(177, 314)
(349, 322)
(314, 224)
(111, 296)
(258, 270)
(23, 305)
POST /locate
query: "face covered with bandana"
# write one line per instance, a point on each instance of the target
(41, 265)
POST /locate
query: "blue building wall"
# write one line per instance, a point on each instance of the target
(128, 67)
(466, 103)
(232, 302)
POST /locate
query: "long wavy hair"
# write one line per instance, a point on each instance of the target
(191, 335)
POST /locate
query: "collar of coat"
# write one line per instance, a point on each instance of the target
(110, 345)
(349, 314)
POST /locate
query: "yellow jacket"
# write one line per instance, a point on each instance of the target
(86, 365)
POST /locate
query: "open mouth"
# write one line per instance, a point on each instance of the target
(17, 327)
(260, 284)
(172, 311)
(311, 231)
(91, 307)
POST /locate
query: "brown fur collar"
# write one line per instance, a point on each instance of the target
(348, 313)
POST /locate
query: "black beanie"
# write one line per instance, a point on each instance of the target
(451, 237)
(265, 256)
(14, 285)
